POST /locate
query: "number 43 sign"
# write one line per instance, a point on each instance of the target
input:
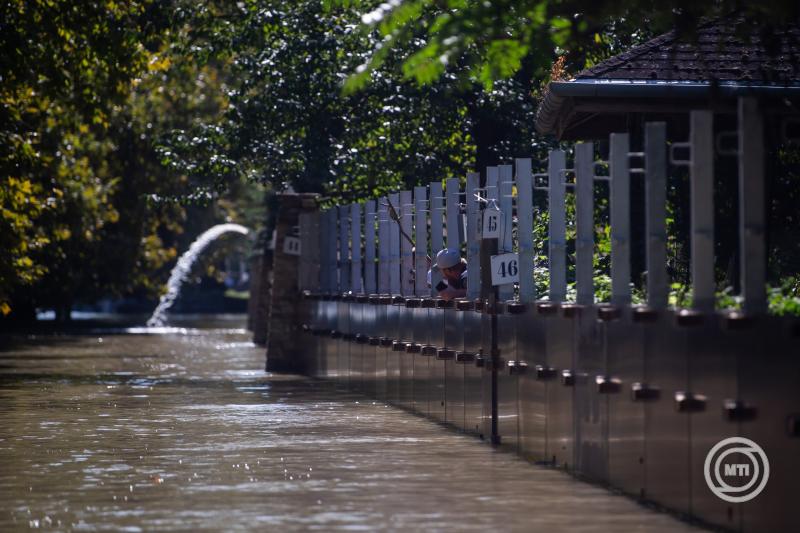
(505, 269)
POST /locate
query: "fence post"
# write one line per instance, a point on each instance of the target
(584, 222)
(557, 230)
(452, 213)
(420, 241)
(752, 248)
(383, 246)
(344, 248)
(369, 247)
(355, 246)
(473, 240)
(437, 237)
(394, 248)
(527, 285)
(620, 197)
(702, 209)
(506, 204)
(407, 258)
(303, 262)
(655, 161)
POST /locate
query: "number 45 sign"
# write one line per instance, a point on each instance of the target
(505, 269)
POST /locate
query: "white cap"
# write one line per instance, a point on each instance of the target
(447, 258)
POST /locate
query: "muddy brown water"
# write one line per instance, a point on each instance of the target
(182, 430)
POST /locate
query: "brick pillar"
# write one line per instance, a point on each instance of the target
(284, 328)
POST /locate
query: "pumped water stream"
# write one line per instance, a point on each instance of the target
(184, 431)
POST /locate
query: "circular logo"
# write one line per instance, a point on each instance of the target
(736, 469)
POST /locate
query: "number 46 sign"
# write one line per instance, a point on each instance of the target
(505, 269)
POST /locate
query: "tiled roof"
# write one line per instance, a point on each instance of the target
(725, 50)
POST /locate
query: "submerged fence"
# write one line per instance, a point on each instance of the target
(631, 396)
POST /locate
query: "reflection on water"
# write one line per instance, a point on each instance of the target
(183, 430)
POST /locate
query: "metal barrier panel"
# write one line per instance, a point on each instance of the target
(486, 376)
(406, 336)
(625, 416)
(454, 372)
(667, 429)
(507, 390)
(392, 358)
(379, 351)
(436, 386)
(591, 407)
(342, 344)
(329, 343)
(531, 335)
(421, 362)
(473, 374)
(557, 372)
(712, 366)
(768, 382)
(356, 348)
(368, 349)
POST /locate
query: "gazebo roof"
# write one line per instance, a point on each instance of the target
(724, 59)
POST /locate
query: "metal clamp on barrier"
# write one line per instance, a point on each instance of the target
(608, 312)
(689, 317)
(374, 341)
(348, 337)
(480, 361)
(736, 321)
(642, 313)
(738, 411)
(445, 354)
(386, 342)
(571, 310)
(517, 367)
(306, 328)
(429, 350)
(413, 347)
(413, 303)
(546, 308)
(516, 308)
(444, 304)
(465, 305)
(687, 402)
(374, 299)
(545, 373)
(428, 303)
(793, 425)
(608, 384)
(479, 305)
(465, 357)
(567, 378)
(642, 392)
(398, 300)
(362, 298)
(398, 346)
(362, 339)
(336, 334)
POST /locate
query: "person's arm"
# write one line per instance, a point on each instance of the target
(450, 293)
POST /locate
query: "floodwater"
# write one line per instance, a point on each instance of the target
(183, 430)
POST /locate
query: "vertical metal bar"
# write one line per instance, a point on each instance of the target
(584, 222)
(333, 249)
(394, 248)
(437, 237)
(344, 248)
(383, 246)
(314, 251)
(655, 140)
(527, 287)
(702, 209)
(421, 241)
(407, 257)
(620, 197)
(506, 202)
(305, 249)
(473, 242)
(557, 230)
(752, 248)
(452, 218)
(369, 247)
(355, 247)
(323, 250)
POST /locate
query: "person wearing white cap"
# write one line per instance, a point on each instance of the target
(454, 271)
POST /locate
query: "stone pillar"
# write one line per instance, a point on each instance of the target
(283, 331)
(260, 292)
